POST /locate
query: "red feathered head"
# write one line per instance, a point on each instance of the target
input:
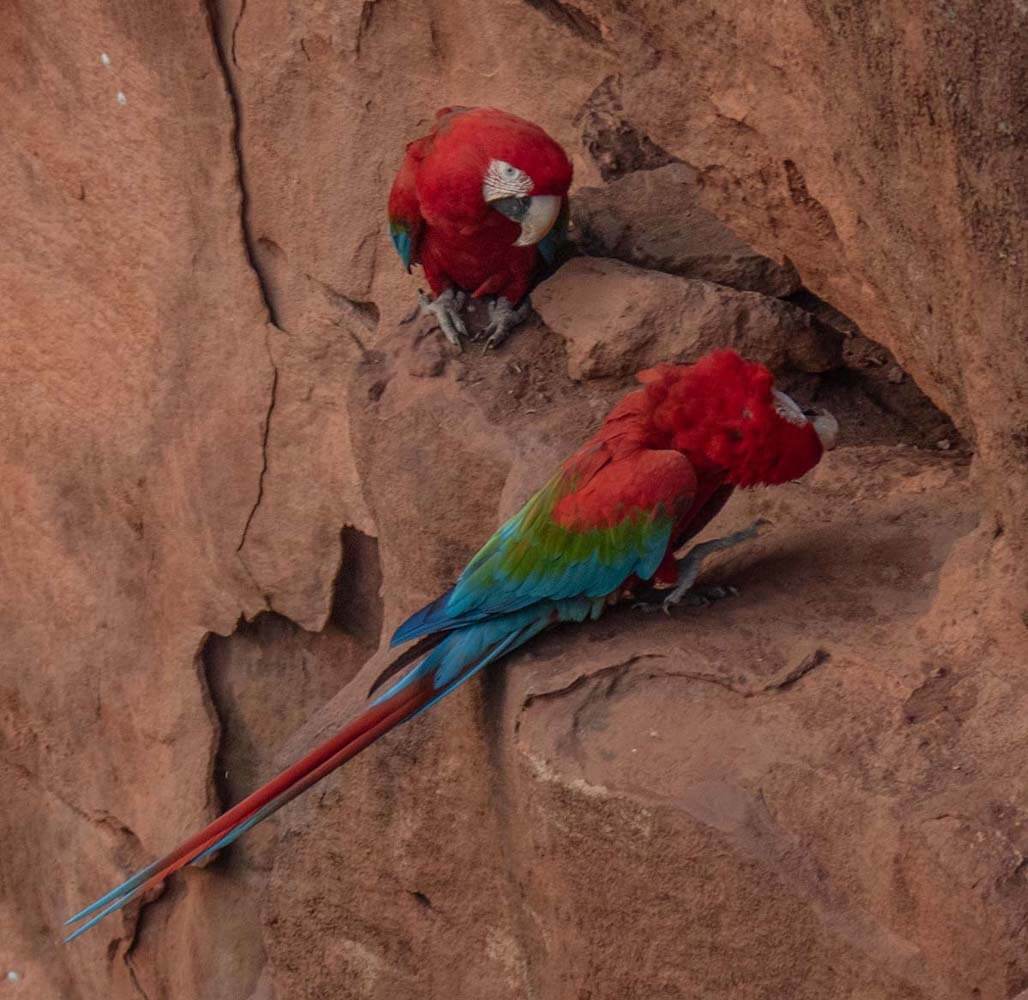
(724, 413)
(482, 160)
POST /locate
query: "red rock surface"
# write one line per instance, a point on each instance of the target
(212, 412)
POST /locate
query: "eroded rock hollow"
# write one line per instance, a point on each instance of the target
(230, 468)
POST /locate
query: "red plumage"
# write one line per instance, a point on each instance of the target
(722, 414)
(437, 200)
(719, 415)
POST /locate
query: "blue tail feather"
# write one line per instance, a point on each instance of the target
(428, 619)
(457, 657)
(129, 885)
(467, 649)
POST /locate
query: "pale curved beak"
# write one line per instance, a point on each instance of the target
(825, 425)
(787, 408)
(538, 220)
(827, 428)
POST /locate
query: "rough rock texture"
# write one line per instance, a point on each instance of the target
(783, 806)
(617, 319)
(229, 470)
(870, 145)
(647, 218)
(613, 143)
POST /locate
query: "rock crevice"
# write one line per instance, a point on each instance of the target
(228, 66)
(215, 410)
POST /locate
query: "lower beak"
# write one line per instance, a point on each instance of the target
(542, 213)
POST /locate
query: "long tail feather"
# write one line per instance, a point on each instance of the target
(347, 743)
(449, 662)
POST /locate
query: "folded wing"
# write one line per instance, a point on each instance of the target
(601, 520)
(405, 220)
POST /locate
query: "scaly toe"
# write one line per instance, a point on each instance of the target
(497, 337)
(711, 593)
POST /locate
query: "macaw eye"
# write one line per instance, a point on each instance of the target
(504, 180)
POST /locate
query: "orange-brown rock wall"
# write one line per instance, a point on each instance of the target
(229, 469)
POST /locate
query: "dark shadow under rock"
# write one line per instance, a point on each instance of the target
(651, 218)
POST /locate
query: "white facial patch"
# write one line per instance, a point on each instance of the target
(788, 409)
(504, 180)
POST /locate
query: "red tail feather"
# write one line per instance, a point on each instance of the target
(324, 759)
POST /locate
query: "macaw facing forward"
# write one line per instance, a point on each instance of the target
(663, 463)
(473, 204)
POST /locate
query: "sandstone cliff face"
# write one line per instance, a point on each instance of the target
(230, 469)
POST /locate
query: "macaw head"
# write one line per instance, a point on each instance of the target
(488, 161)
(725, 414)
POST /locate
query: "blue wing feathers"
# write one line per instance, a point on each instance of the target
(469, 648)
(589, 578)
(598, 574)
(430, 618)
(533, 559)
(402, 242)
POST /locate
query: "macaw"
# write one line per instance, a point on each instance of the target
(609, 522)
(478, 203)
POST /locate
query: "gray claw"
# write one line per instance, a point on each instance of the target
(503, 318)
(646, 606)
(446, 310)
(701, 597)
(685, 591)
(694, 597)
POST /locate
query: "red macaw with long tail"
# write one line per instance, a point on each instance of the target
(479, 202)
(611, 520)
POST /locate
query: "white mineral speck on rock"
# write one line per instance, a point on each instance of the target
(943, 445)
(13, 977)
(105, 59)
(121, 98)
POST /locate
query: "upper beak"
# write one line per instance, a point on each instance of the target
(539, 218)
(825, 425)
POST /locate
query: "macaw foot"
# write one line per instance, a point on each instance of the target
(446, 309)
(701, 596)
(689, 566)
(503, 318)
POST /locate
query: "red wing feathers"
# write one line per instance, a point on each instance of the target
(642, 480)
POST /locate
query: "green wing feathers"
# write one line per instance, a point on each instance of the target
(594, 525)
